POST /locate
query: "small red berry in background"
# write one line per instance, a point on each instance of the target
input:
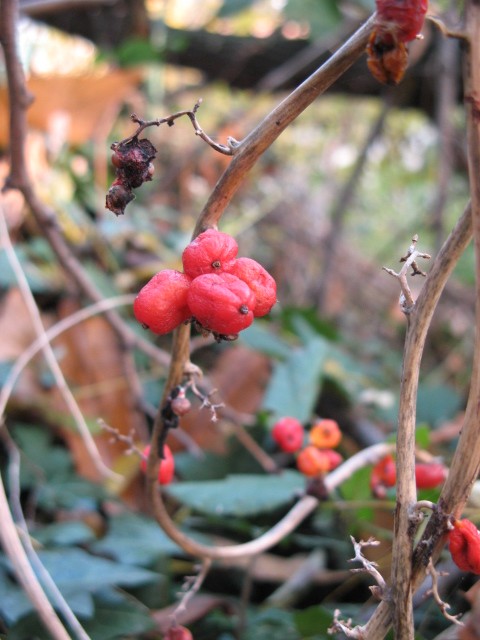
(167, 464)
(221, 303)
(161, 304)
(288, 433)
(209, 252)
(334, 458)
(384, 474)
(325, 434)
(312, 461)
(260, 282)
(429, 475)
(178, 633)
(464, 542)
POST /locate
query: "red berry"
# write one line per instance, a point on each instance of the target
(260, 282)
(403, 19)
(209, 252)
(167, 464)
(161, 304)
(464, 540)
(221, 303)
(384, 474)
(288, 434)
(325, 434)
(178, 633)
(334, 458)
(429, 475)
(312, 461)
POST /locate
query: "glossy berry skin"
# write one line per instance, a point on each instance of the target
(221, 303)
(312, 461)
(209, 252)
(260, 282)
(167, 464)
(325, 434)
(161, 304)
(464, 542)
(429, 475)
(288, 434)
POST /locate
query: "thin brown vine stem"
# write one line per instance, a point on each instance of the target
(250, 149)
(246, 155)
(457, 485)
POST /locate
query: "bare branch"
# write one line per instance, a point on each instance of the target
(444, 606)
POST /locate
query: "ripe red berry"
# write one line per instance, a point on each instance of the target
(429, 475)
(221, 303)
(334, 458)
(325, 434)
(167, 464)
(178, 633)
(209, 252)
(288, 434)
(403, 19)
(260, 282)
(161, 304)
(464, 541)
(312, 461)
(384, 474)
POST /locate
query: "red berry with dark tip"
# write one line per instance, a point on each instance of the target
(209, 252)
(161, 304)
(221, 303)
(260, 282)
(288, 434)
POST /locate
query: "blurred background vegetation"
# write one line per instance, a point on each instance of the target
(338, 196)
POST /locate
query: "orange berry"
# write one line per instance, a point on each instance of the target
(312, 461)
(325, 434)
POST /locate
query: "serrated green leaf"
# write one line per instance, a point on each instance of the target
(134, 540)
(295, 383)
(240, 495)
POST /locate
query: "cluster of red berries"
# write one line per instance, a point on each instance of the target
(318, 456)
(428, 475)
(396, 23)
(220, 292)
(464, 542)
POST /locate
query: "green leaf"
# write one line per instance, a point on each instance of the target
(117, 617)
(295, 383)
(75, 570)
(134, 540)
(37, 281)
(313, 622)
(240, 495)
(260, 337)
(436, 404)
(64, 534)
(321, 15)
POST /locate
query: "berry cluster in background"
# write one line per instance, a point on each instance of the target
(318, 456)
(428, 475)
(219, 292)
